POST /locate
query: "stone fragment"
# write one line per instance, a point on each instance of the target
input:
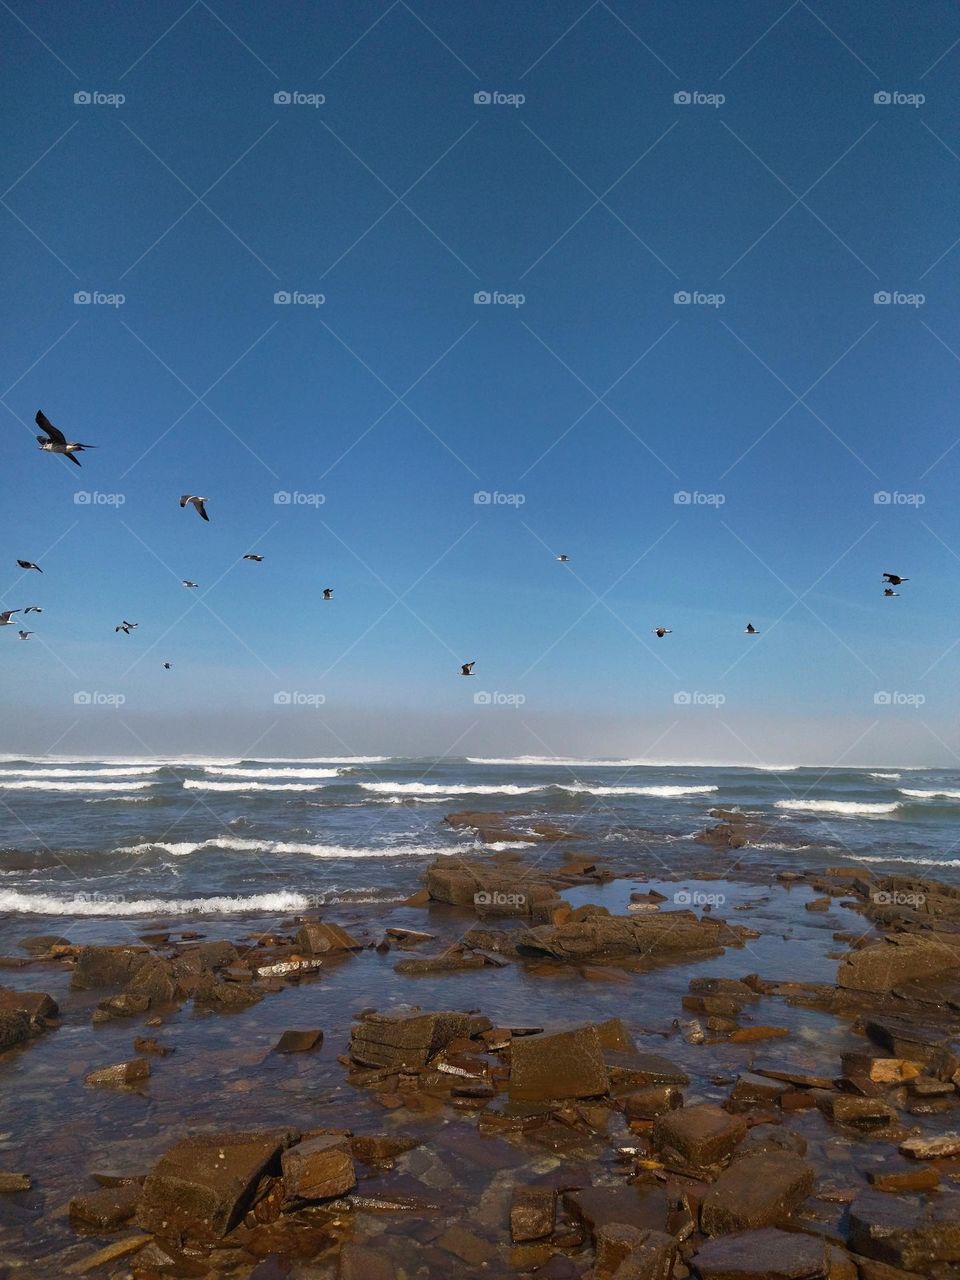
(323, 939)
(318, 1169)
(558, 1064)
(698, 1136)
(756, 1191)
(298, 1041)
(909, 1232)
(767, 1254)
(881, 966)
(533, 1213)
(123, 1075)
(106, 1209)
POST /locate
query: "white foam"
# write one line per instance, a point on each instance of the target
(77, 773)
(41, 784)
(180, 849)
(447, 789)
(271, 773)
(665, 792)
(920, 862)
(96, 904)
(842, 808)
(891, 777)
(202, 784)
(930, 795)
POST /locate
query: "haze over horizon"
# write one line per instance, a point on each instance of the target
(719, 368)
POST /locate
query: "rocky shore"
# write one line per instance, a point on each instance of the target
(530, 1067)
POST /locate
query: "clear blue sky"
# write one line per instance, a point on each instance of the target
(598, 198)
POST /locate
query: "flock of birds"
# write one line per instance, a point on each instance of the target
(54, 441)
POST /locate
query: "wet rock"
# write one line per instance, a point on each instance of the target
(533, 1213)
(35, 1005)
(558, 1064)
(404, 1037)
(39, 945)
(657, 1100)
(751, 1090)
(467, 1246)
(204, 1184)
(860, 1113)
(905, 1231)
(206, 958)
(634, 1206)
(318, 1169)
(154, 980)
(746, 1035)
(904, 1037)
(148, 1044)
(900, 1180)
(698, 1136)
(881, 966)
(453, 960)
(947, 1144)
(223, 997)
(767, 1254)
(107, 966)
(661, 937)
(123, 1075)
(361, 1262)
(12, 1182)
(771, 1137)
(879, 1070)
(14, 1029)
(375, 1149)
(124, 1006)
(298, 1041)
(614, 1243)
(326, 939)
(106, 1209)
(635, 1070)
(756, 1191)
(653, 1257)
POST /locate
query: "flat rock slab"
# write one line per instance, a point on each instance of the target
(533, 1212)
(767, 1254)
(558, 1064)
(123, 1075)
(405, 1037)
(361, 1262)
(884, 965)
(939, 1148)
(698, 1136)
(318, 1169)
(641, 1206)
(106, 1209)
(298, 1041)
(204, 1184)
(756, 1191)
(323, 939)
(906, 1231)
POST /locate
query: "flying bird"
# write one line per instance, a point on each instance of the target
(563, 559)
(6, 617)
(889, 591)
(467, 668)
(660, 632)
(750, 630)
(187, 583)
(24, 634)
(251, 556)
(126, 627)
(196, 503)
(894, 579)
(28, 564)
(32, 608)
(328, 593)
(56, 442)
(165, 665)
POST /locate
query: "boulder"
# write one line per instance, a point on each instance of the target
(698, 1136)
(107, 966)
(657, 1100)
(106, 1209)
(752, 1090)
(662, 936)
(558, 1064)
(404, 1036)
(204, 1184)
(326, 939)
(757, 1190)
(906, 1231)
(35, 1005)
(533, 1213)
(652, 1258)
(881, 966)
(123, 1075)
(14, 1028)
(767, 1254)
(318, 1169)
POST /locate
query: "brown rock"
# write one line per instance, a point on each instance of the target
(14, 1029)
(698, 1136)
(298, 1041)
(747, 1035)
(756, 1191)
(752, 1089)
(906, 1232)
(558, 1064)
(533, 1213)
(884, 965)
(653, 1258)
(657, 1100)
(204, 1184)
(634, 1206)
(404, 1036)
(107, 966)
(123, 1075)
(767, 1254)
(106, 1209)
(323, 939)
(318, 1169)
(12, 1182)
(860, 1113)
(35, 1005)
(879, 1070)
(614, 1243)
(947, 1144)
(361, 1262)
(900, 1180)
(467, 1246)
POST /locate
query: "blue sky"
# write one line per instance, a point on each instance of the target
(598, 198)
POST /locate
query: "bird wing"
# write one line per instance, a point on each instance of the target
(184, 499)
(202, 509)
(8, 614)
(44, 423)
(73, 458)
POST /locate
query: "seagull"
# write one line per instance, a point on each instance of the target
(32, 608)
(328, 593)
(165, 665)
(750, 630)
(563, 559)
(660, 632)
(195, 502)
(24, 634)
(889, 591)
(6, 617)
(251, 556)
(894, 579)
(467, 668)
(55, 441)
(28, 564)
(187, 583)
(126, 627)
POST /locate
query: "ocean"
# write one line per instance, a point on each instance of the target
(119, 838)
